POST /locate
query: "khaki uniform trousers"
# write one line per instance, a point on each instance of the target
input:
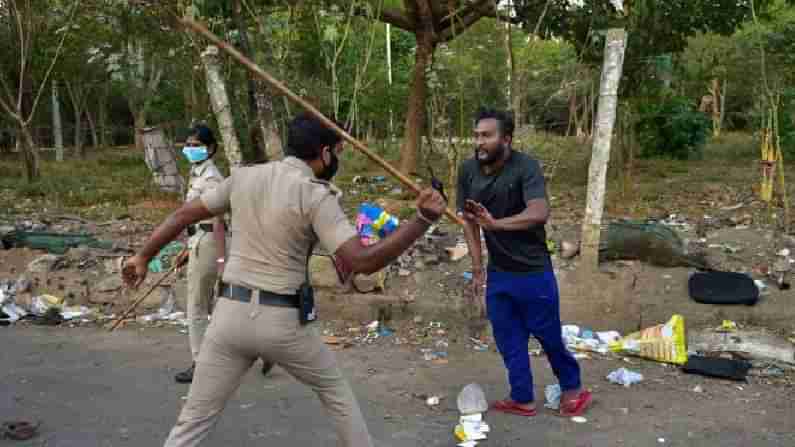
(238, 335)
(202, 275)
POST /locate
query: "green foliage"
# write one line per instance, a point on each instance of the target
(672, 128)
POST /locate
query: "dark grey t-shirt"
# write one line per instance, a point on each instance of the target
(506, 194)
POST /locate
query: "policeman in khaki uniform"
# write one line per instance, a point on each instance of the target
(207, 244)
(279, 211)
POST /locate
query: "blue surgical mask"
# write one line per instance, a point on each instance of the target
(195, 154)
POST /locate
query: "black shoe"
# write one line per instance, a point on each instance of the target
(185, 376)
(266, 367)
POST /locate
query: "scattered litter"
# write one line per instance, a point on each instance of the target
(162, 261)
(552, 394)
(728, 326)
(18, 430)
(478, 345)
(457, 252)
(471, 429)
(374, 223)
(725, 247)
(578, 339)
(623, 376)
(472, 400)
(568, 250)
(579, 419)
(698, 389)
(722, 288)
(761, 286)
(750, 344)
(717, 367)
(42, 303)
(467, 276)
(432, 401)
(663, 343)
(54, 243)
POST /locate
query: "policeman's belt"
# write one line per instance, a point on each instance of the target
(193, 229)
(240, 293)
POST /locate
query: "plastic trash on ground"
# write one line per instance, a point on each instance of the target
(581, 339)
(471, 429)
(42, 303)
(9, 307)
(373, 223)
(162, 261)
(664, 342)
(472, 404)
(472, 400)
(552, 394)
(623, 376)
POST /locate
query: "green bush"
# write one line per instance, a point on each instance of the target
(672, 128)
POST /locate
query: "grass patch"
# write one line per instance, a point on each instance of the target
(105, 185)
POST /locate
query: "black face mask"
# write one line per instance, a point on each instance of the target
(330, 170)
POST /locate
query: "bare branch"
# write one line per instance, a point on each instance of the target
(8, 110)
(482, 9)
(52, 64)
(537, 29)
(464, 10)
(6, 89)
(393, 17)
(22, 54)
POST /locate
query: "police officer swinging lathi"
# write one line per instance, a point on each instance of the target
(279, 212)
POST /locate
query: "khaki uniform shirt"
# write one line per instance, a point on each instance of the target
(203, 177)
(279, 209)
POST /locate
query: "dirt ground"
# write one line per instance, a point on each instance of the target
(92, 388)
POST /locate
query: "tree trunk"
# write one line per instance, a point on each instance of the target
(140, 124)
(221, 107)
(716, 107)
(57, 127)
(267, 126)
(600, 155)
(79, 147)
(30, 154)
(516, 101)
(257, 136)
(93, 126)
(723, 105)
(102, 114)
(415, 116)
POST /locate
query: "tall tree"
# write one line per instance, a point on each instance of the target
(432, 22)
(28, 63)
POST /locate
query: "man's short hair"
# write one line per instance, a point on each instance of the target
(306, 136)
(504, 120)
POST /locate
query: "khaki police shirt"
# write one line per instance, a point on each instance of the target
(203, 177)
(278, 210)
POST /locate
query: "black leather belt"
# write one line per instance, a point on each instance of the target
(192, 229)
(241, 293)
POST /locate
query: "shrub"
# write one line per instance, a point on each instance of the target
(672, 128)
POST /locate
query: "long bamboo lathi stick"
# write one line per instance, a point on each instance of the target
(281, 88)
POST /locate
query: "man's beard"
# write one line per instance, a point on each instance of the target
(490, 157)
(331, 169)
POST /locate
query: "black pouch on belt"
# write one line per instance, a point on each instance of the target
(306, 296)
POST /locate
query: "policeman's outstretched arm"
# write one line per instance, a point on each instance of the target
(370, 259)
(135, 268)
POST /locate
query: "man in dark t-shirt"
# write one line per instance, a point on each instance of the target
(502, 192)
